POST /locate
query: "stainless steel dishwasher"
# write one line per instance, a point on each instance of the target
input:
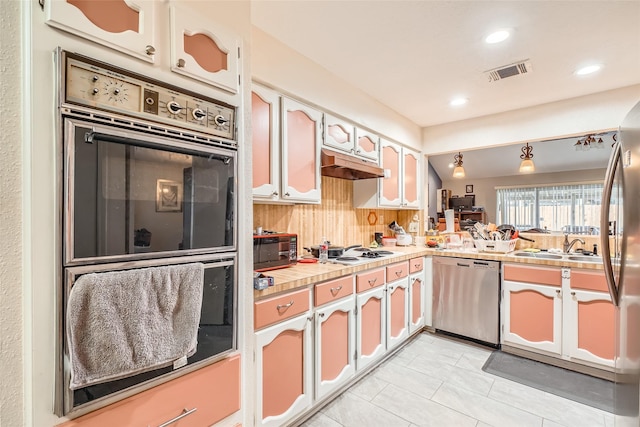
(466, 298)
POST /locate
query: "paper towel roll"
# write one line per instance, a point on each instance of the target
(450, 221)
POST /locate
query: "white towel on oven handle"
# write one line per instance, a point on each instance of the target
(123, 323)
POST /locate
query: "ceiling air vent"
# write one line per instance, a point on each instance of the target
(511, 70)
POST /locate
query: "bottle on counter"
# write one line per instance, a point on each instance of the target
(323, 251)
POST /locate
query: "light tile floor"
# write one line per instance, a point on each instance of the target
(438, 381)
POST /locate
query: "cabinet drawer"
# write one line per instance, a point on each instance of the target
(589, 280)
(274, 310)
(536, 275)
(333, 290)
(214, 391)
(369, 280)
(397, 271)
(416, 264)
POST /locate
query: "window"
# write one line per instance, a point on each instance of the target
(573, 208)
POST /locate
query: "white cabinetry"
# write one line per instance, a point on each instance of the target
(265, 118)
(370, 326)
(367, 144)
(417, 296)
(428, 291)
(400, 188)
(397, 303)
(341, 135)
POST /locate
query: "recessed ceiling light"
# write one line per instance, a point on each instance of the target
(456, 102)
(497, 37)
(589, 69)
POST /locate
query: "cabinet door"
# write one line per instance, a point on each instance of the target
(126, 26)
(416, 301)
(590, 327)
(335, 334)
(265, 119)
(410, 178)
(390, 192)
(397, 312)
(284, 367)
(370, 326)
(338, 134)
(532, 316)
(301, 140)
(367, 144)
(203, 50)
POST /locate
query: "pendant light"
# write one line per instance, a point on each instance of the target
(527, 166)
(458, 171)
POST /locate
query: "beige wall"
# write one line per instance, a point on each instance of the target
(12, 292)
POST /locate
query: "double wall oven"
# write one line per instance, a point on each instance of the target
(148, 181)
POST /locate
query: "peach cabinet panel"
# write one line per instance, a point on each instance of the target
(532, 316)
(416, 301)
(588, 280)
(273, 310)
(370, 326)
(301, 140)
(367, 144)
(390, 193)
(339, 134)
(397, 312)
(214, 390)
(335, 345)
(284, 366)
(410, 176)
(333, 290)
(416, 264)
(204, 50)
(537, 275)
(265, 119)
(397, 271)
(124, 25)
(369, 279)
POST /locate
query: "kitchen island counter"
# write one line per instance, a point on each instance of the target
(306, 274)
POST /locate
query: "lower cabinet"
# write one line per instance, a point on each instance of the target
(203, 397)
(428, 291)
(370, 326)
(335, 337)
(566, 313)
(417, 297)
(284, 358)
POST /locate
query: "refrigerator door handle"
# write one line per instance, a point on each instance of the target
(614, 160)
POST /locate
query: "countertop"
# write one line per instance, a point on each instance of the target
(304, 275)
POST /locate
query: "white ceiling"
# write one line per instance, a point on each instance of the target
(415, 56)
(548, 157)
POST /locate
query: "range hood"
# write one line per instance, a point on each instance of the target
(340, 165)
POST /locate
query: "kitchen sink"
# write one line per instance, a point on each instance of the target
(584, 258)
(537, 255)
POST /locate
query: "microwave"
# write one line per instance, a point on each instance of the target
(273, 251)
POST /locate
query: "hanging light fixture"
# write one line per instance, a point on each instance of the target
(527, 165)
(588, 142)
(458, 171)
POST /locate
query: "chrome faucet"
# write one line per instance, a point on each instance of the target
(566, 245)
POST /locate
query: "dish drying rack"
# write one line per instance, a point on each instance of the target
(487, 238)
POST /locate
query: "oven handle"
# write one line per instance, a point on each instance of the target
(90, 137)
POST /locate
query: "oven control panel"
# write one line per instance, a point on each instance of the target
(105, 88)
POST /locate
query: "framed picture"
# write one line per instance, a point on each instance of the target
(469, 189)
(168, 196)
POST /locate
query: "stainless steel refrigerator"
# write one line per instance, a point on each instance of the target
(621, 255)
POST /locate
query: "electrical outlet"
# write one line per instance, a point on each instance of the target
(381, 219)
(414, 227)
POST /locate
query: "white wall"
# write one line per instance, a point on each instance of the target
(12, 357)
(571, 117)
(281, 67)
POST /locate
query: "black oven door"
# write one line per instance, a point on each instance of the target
(132, 195)
(216, 335)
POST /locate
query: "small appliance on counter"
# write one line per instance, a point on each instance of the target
(274, 250)
(402, 238)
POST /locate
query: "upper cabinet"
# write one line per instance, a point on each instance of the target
(124, 25)
(203, 51)
(200, 48)
(286, 140)
(343, 136)
(400, 188)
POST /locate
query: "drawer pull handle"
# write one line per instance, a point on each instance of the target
(417, 266)
(558, 293)
(335, 290)
(184, 413)
(372, 281)
(284, 306)
(398, 273)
